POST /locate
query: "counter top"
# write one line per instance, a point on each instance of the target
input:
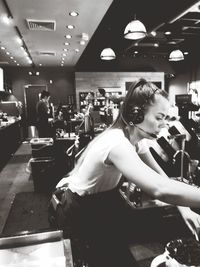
(145, 252)
(145, 202)
(29, 250)
(4, 124)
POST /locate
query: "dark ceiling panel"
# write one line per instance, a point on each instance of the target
(156, 15)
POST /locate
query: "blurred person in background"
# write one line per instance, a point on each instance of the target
(43, 115)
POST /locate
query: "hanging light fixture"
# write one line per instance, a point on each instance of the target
(176, 55)
(107, 54)
(135, 30)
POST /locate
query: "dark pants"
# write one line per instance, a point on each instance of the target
(102, 220)
(44, 130)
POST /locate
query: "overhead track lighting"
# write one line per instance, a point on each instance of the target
(30, 60)
(6, 20)
(107, 54)
(176, 55)
(10, 16)
(135, 30)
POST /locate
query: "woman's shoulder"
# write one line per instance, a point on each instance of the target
(114, 133)
(114, 136)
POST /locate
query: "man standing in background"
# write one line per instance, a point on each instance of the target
(43, 114)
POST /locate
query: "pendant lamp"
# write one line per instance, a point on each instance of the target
(107, 54)
(135, 30)
(176, 55)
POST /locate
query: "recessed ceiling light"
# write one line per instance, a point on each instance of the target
(70, 27)
(76, 50)
(73, 13)
(40, 64)
(3, 48)
(68, 36)
(8, 53)
(19, 40)
(66, 43)
(17, 64)
(65, 49)
(29, 60)
(64, 55)
(156, 45)
(186, 53)
(167, 33)
(6, 19)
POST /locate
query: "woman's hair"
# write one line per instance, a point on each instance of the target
(44, 94)
(140, 96)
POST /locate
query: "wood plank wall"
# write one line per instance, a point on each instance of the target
(91, 81)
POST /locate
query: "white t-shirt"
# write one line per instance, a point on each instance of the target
(92, 174)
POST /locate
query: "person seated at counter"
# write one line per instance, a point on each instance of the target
(92, 206)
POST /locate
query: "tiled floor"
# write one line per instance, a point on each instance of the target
(14, 178)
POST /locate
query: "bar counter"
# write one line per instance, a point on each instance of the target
(36, 249)
(153, 225)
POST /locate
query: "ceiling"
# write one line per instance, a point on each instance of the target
(42, 25)
(182, 18)
(100, 24)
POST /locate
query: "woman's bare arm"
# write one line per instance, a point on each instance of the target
(191, 218)
(125, 158)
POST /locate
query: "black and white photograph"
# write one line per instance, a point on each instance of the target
(99, 133)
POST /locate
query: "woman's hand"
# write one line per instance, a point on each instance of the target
(62, 182)
(192, 220)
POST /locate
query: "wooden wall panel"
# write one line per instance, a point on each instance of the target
(91, 81)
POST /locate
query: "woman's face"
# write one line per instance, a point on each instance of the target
(154, 119)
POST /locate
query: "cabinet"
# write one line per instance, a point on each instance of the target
(10, 140)
(99, 102)
(86, 98)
